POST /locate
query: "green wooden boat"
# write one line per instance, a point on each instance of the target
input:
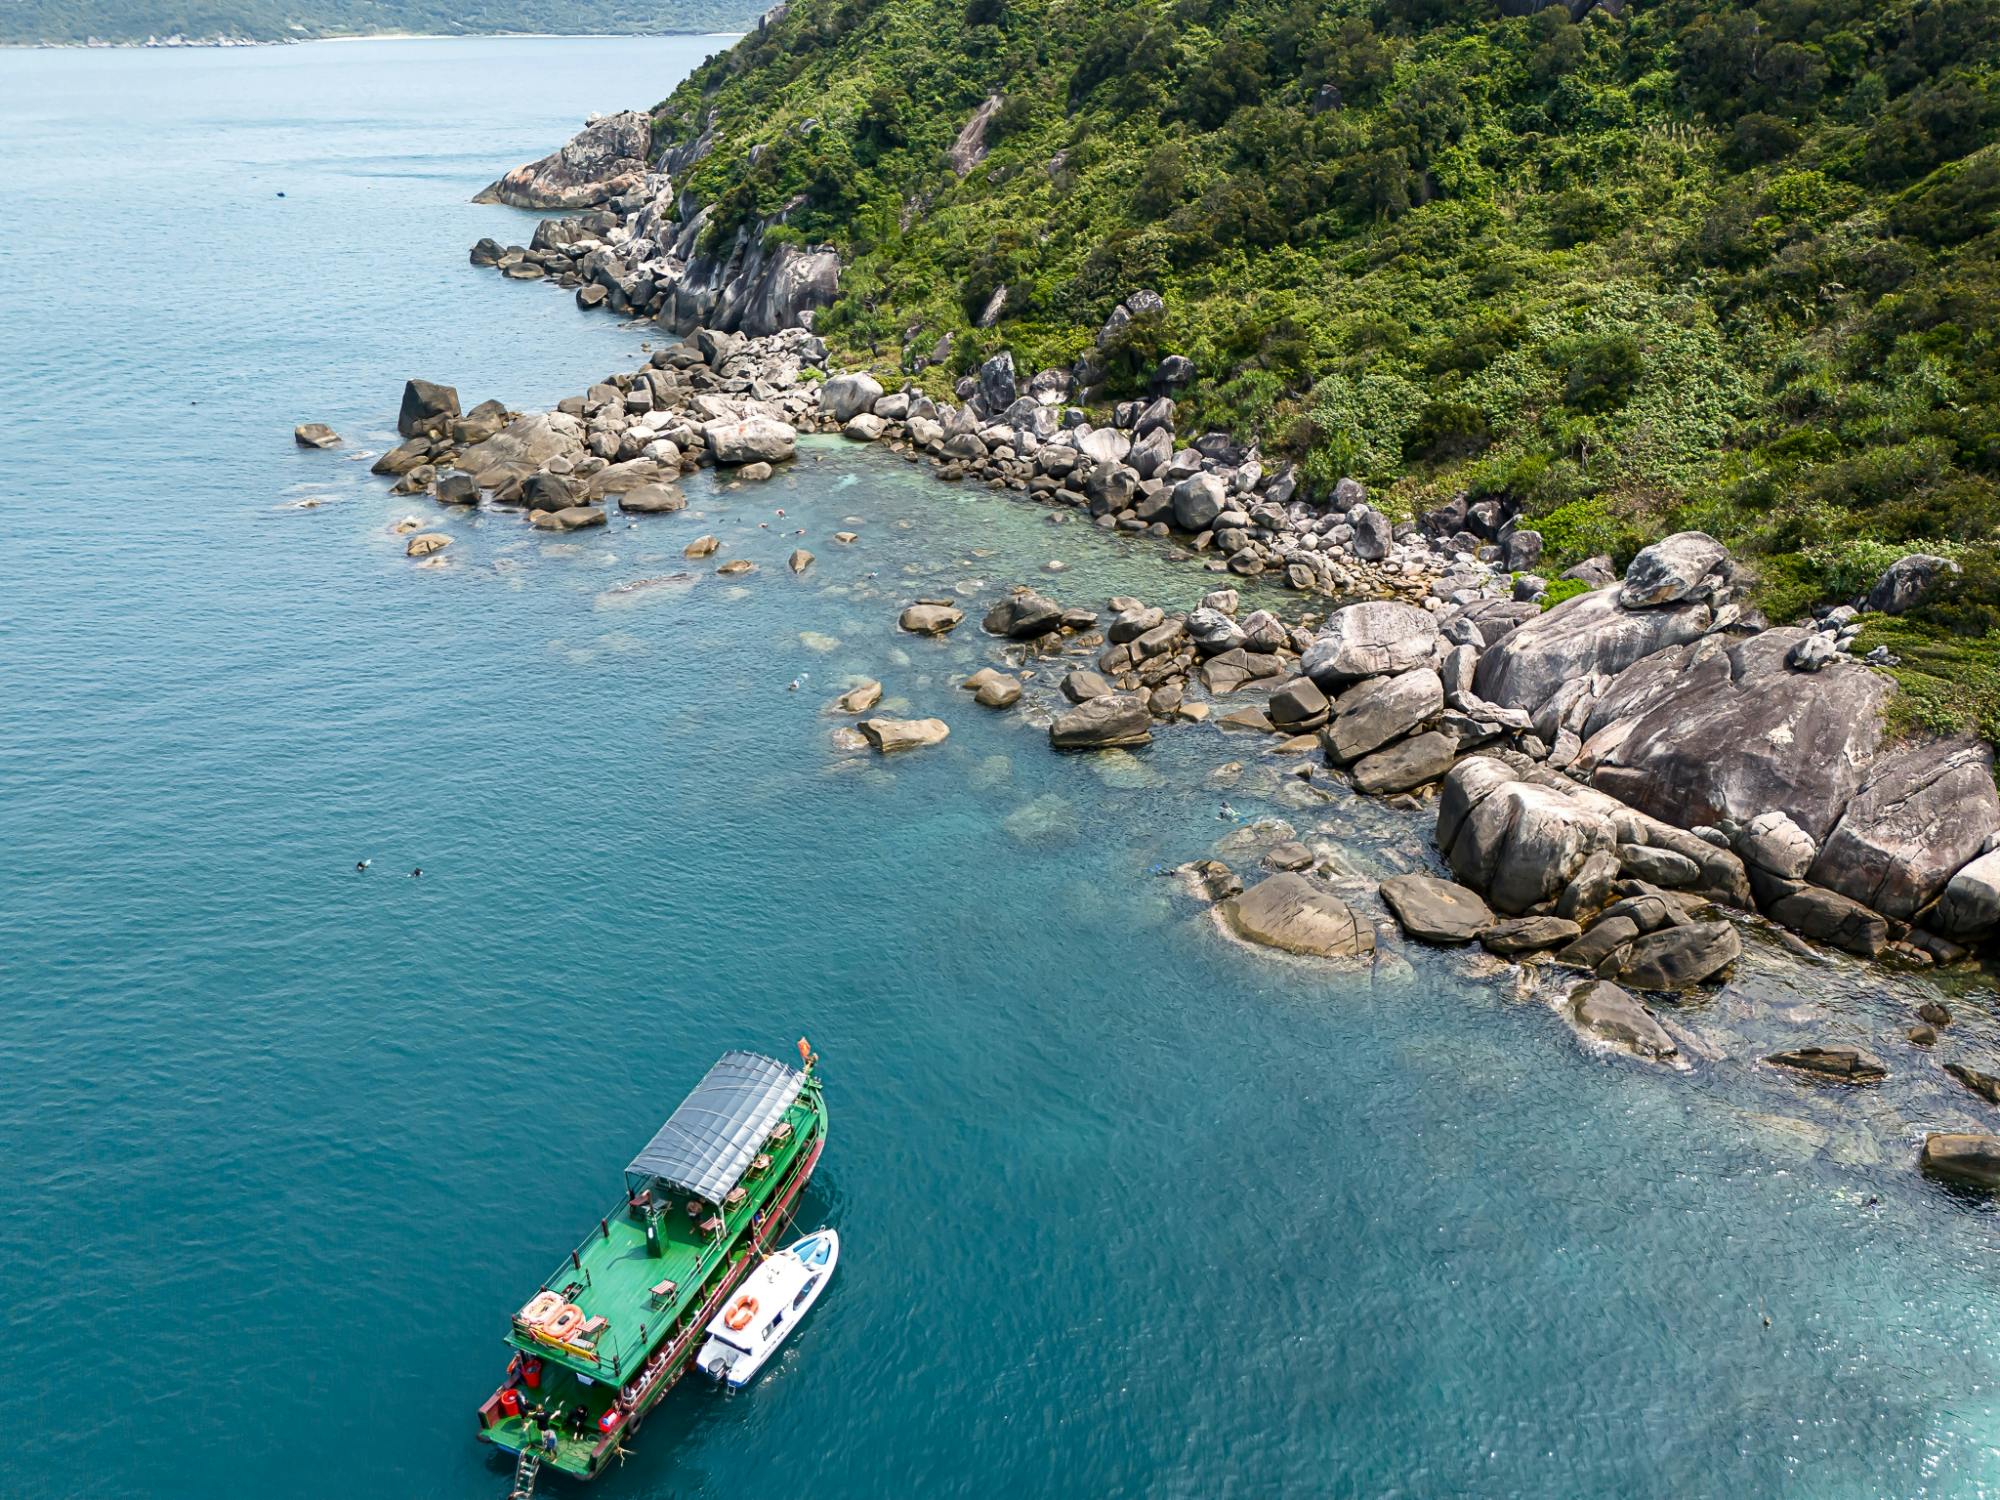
(618, 1322)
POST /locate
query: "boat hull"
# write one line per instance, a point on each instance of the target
(734, 1356)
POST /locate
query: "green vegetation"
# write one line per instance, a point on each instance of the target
(1734, 268)
(276, 20)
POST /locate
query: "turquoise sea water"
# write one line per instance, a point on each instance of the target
(1127, 1209)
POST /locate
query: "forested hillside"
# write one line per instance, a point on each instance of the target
(1733, 268)
(292, 20)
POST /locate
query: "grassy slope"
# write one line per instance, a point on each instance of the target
(1735, 268)
(277, 20)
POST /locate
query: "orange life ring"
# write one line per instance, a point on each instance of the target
(540, 1309)
(567, 1320)
(740, 1315)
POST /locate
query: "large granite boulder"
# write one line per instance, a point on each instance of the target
(1831, 918)
(1718, 731)
(1686, 565)
(1592, 633)
(1103, 723)
(1919, 816)
(749, 440)
(1518, 842)
(1405, 765)
(427, 408)
(847, 396)
(1909, 581)
(1383, 709)
(1370, 639)
(525, 445)
(1288, 911)
(1437, 911)
(1198, 500)
(1606, 1013)
(1969, 909)
(605, 159)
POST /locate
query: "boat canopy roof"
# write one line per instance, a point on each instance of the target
(708, 1143)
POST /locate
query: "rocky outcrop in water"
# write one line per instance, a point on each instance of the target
(603, 160)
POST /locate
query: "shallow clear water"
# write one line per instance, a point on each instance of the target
(1127, 1209)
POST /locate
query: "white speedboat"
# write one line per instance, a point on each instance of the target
(767, 1307)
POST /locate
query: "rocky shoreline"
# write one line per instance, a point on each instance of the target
(1619, 782)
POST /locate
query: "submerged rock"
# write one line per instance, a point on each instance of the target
(1848, 1064)
(1609, 1014)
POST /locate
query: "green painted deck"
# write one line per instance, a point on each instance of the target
(612, 1277)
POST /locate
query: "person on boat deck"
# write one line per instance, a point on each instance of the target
(531, 1429)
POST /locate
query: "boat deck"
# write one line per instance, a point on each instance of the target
(612, 1274)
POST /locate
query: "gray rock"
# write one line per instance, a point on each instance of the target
(1717, 731)
(996, 382)
(653, 499)
(1437, 911)
(1774, 843)
(315, 435)
(1213, 632)
(1524, 550)
(427, 408)
(1811, 653)
(1686, 565)
(1829, 917)
(1298, 705)
(1102, 723)
(1589, 634)
(1605, 937)
(863, 427)
(1081, 687)
(892, 736)
(604, 160)
(1289, 912)
(1969, 909)
(1847, 1064)
(750, 440)
(1373, 535)
(1371, 715)
(930, 619)
(1963, 1157)
(1405, 765)
(1518, 842)
(1658, 866)
(1676, 958)
(1517, 935)
(1908, 582)
(1920, 816)
(1198, 500)
(1023, 617)
(847, 396)
(1604, 1011)
(1368, 640)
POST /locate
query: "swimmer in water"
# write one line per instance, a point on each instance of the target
(1228, 812)
(362, 864)
(416, 872)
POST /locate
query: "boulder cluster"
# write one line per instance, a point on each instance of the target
(717, 398)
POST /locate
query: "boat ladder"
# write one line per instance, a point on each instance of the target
(526, 1468)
